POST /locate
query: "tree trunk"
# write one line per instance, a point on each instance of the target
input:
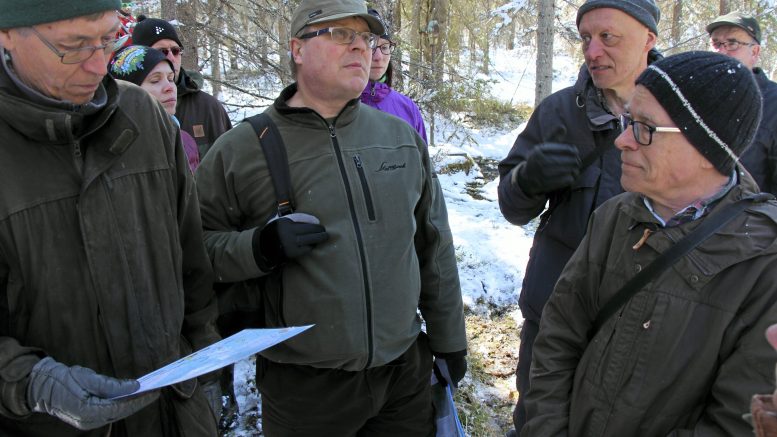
(440, 15)
(677, 15)
(398, 80)
(188, 30)
(214, 47)
(545, 33)
(168, 10)
(415, 39)
(283, 41)
(511, 33)
(725, 7)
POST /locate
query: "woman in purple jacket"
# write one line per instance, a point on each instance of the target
(379, 93)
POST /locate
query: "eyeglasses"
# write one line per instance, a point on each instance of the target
(386, 48)
(643, 132)
(344, 35)
(79, 55)
(174, 50)
(730, 45)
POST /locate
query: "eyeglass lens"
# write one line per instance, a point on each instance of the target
(174, 50)
(343, 35)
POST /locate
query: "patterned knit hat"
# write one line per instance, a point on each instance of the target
(150, 30)
(24, 13)
(644, 11)
(134, 63)
(712, 98)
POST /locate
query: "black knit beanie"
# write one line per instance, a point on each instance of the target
(644, 11)
(24, 13)
(712, 98)
(134, 63)
(150, 30)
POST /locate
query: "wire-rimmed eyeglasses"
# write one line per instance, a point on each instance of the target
(730, 45)
(344, 35)
(79, 55)
(386, 48)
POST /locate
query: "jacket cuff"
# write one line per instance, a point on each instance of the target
(14, 397)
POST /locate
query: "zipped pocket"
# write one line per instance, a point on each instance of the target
(365, 187)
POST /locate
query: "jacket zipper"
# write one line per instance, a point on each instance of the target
(372, 89)
(359, 241)
(365, 188)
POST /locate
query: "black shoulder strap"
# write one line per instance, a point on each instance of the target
(708, 227)
(277, 162)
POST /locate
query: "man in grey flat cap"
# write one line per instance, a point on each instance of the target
(739, 36)
(103, 272)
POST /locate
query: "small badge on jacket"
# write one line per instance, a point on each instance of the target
(198, 131)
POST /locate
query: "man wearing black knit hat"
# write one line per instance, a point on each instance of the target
(200, 114)
(104, 275)
(739, 36)
(565, 157)
(682, 352)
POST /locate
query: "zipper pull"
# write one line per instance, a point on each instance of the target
(332, 131)
(357, 160)
(372, 89)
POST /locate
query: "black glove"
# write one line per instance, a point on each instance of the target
(451, 367)
(285, 238)
(548, 167)
(80, 397)
(457, 367)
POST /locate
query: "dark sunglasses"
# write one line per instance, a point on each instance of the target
(174, 50)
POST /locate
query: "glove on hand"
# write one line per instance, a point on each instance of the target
(212, 390)
(457, 367)
(80, 397)
(285, 238)
(548, 167)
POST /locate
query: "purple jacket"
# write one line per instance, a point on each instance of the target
(380, 96)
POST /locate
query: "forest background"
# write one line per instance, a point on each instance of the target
(476, 69)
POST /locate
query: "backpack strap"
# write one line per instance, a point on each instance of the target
(654, 270)
(277, 162)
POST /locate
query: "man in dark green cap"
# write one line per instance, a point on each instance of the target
(739, 36)
(103, 273)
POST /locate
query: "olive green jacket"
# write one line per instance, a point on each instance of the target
(684, 355)
(102, 263)
(367, 177)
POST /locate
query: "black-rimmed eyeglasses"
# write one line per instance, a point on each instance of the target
(643, 132)
(344, 36)
(730, 45)
(386, 48)
(79, 55)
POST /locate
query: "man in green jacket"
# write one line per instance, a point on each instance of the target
(103, 273)
(685, 353)
(368, 246)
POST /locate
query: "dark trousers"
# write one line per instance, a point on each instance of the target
(528, 335)
(390, 400)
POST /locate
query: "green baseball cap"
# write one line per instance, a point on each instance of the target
(317, 11)
(737, 19)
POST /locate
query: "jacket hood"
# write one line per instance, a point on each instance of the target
(188, 83)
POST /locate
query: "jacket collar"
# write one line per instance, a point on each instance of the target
(375, 92)
(186, 84)
(308, 116)
(55, 124)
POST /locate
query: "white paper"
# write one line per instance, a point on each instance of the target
(227, 351)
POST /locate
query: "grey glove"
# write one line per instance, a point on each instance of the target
(212, 390)
(548, 167)
(80, 397)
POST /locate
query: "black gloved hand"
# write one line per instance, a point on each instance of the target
(548, 167)
(80, 397)
(285, 238)
(457, 367)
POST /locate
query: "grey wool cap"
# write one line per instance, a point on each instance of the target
(24, 13)
(644, 11)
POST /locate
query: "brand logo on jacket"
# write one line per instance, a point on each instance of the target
(384, 166)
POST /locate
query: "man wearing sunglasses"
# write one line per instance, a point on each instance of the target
(103, 273)
(367, 247)
(739, 36)
(565, 157)
(683, 352)
(200, 114)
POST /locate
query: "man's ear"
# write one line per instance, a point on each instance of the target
(6, 40)
(651, 41)
(296, 49)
